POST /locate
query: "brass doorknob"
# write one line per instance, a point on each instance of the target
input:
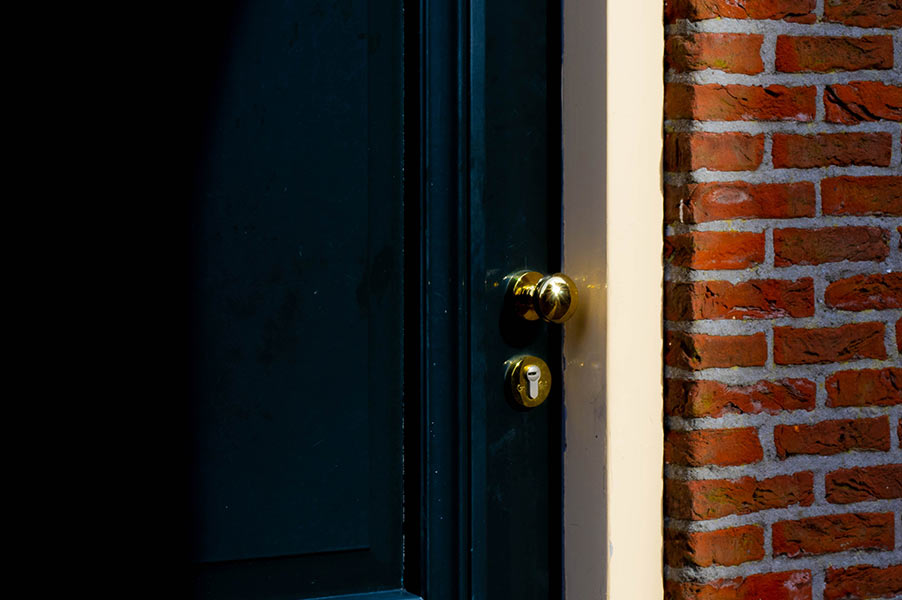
(553, 298)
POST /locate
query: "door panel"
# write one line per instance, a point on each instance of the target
(297, 363)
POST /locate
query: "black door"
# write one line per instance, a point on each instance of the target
(371, 172)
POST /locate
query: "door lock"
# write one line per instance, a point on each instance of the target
(532, 376)
(529, 380)
(553, 298)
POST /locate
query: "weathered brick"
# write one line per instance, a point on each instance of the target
(715, 102)
(866, 292)
(865, 387)
(828, 344)
(715, 498)
(799, 11)
(833, 437)
(833, 533)
(715, 249)
(726, 547)
(684, 151)
(696, 351)
(863, 101)
(861, 276)
(829, 244)
(722, 447)
(728, 52)
(825, 149)
(860, 484)
(791, 585)
(862, 582)
(864, 13)
(756, 299)
(703, 202)
(862, 196)
(692, 399)
(822, 54)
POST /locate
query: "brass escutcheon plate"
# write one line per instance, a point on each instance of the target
(518, 384)
(521, 289)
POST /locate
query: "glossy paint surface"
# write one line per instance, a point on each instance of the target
(297, 305)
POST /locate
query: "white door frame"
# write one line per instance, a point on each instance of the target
(613, 214)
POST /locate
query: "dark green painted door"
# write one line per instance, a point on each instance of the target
(515, 224)
(350, 432)
(296, 296)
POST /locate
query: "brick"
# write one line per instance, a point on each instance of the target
(715, 102)
(866, 292)
(686, 151)
(825, 149)
(865, 387)
(715, 249)
(880, 196)
(862, 582)
(791, 585)
(756, 299)
(864, 13)
(703, 202)
(726, 547)
(863, 101)
(832, 437)
(696, 351)
(693, 399)
(860, 484)
(728, 52)
(715, 498)
(799, 11)
(899, 335)
(833, 533)
(722, 447)
(829, 244)
(823, 54)
(828, 344)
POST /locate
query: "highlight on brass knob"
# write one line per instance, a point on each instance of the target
(553, 298)
(528, 380)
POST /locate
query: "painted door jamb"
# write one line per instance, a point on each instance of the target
(613, 210)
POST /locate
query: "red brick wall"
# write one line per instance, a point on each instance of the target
(783, 299)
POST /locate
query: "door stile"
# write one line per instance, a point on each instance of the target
(462, 297)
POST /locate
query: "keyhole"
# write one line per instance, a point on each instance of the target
(533, 373)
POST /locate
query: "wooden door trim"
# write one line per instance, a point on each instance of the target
(438, 557)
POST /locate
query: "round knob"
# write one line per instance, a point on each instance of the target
(556, 298)
(553, 298)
